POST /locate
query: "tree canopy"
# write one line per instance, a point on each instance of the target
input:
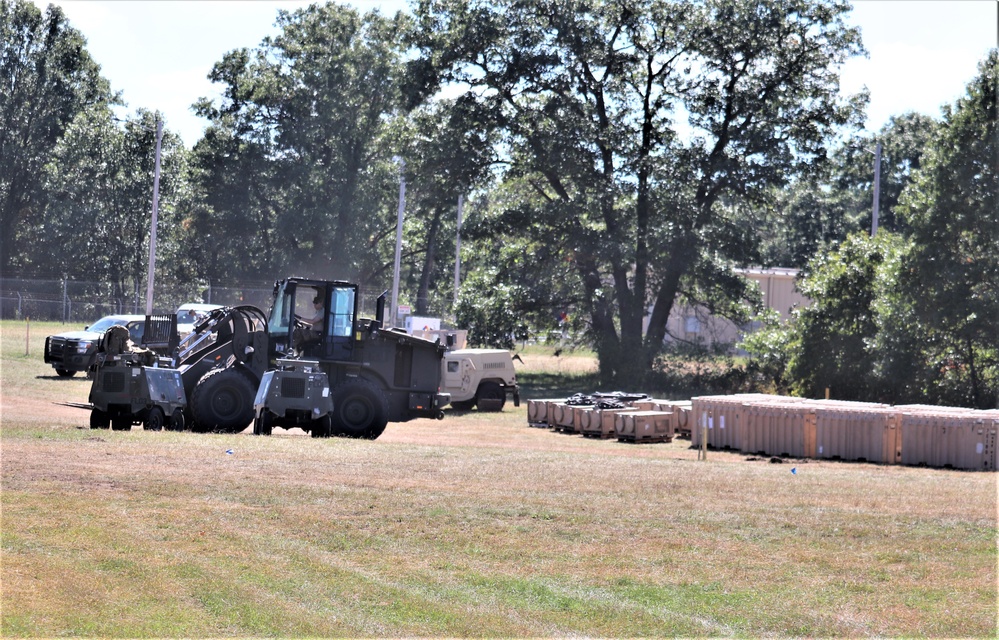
(295, 164)
(46, 79)
(619, 159)
(633, 122)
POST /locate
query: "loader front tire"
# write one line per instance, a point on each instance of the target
(222, 401)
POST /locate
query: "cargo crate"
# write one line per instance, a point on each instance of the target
(778, 430)
(598, 422)
(538, 412)
(644, 426)
(721, 418)
(859, 433)
(561, 417)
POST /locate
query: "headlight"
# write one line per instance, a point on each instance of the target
(83, 347)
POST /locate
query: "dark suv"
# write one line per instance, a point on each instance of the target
(74, 351)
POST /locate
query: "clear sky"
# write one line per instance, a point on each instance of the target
(158, 53)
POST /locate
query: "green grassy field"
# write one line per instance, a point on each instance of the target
(477, 525)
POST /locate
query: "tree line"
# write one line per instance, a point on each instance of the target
(618, 158)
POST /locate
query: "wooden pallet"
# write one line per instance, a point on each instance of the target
(561, 428)
(598, 435)
(645, 440)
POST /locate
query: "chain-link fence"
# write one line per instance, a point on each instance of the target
(78, 302)
(62, 300)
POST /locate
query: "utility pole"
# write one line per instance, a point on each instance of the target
(398, 239)
(877, 189)
(457, 250)
(152, 230)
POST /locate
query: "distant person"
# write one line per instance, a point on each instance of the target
(316, 321)
(313, 326)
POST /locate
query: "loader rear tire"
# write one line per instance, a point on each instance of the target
(222, 401)
(360, 410)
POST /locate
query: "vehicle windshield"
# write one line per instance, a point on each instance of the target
(104, 324)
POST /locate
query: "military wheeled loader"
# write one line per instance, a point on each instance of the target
(375, 375)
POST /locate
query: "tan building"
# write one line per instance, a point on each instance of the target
(695, 325)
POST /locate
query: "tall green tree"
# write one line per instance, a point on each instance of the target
(303, 118)
(100, 190)
(952, 274)
(447, 156)
(830, 345)
(46, 79)
(820, 209)
(636, 120)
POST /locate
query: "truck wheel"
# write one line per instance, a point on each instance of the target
(177, 422)
(490, 397)
(99, 420)
(263, 425)
(65, 373)
(154, 420)
(222, 401)
(121, 423)
(359, 410)
(322, 427)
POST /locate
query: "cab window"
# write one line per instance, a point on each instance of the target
(341, 318)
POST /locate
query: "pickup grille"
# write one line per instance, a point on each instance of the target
(57, 346)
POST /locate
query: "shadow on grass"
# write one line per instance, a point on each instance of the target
(536, 386)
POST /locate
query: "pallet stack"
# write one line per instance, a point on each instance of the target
(627, 418)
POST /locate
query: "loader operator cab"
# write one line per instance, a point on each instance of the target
(313, 319)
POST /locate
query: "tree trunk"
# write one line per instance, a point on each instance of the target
(423, 294)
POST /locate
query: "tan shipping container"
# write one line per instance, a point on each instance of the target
(778, 429)
(721, 417)
(683, 418)
(860, 433)
(949, 439)
(538, 411)
(650, 404)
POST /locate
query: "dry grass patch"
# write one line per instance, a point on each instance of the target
(542, 360)
(473, 526)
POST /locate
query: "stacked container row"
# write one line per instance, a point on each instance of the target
(831, 429)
